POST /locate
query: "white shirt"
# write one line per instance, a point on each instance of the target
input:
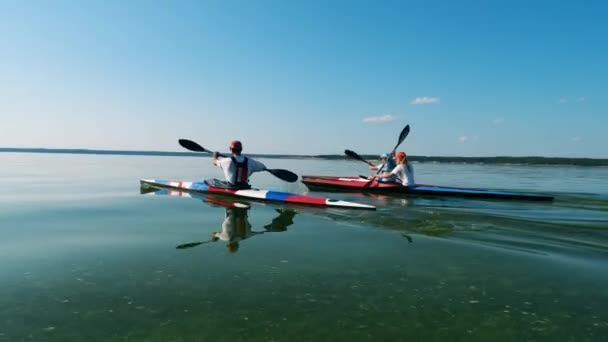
(405, 173)
(229, 167)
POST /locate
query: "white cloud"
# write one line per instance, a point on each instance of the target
(466, 138)
(424, 100)
(580, 99)
(576, 139)
(498, 121)
(380, 119)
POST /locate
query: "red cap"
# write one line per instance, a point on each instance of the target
(400, 155)
(236, 145)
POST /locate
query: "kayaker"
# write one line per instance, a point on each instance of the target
(404, 171)
(386, 162)
(237, 168)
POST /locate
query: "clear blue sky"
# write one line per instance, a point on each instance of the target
(472, 78)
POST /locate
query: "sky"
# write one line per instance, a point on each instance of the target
(471, 78)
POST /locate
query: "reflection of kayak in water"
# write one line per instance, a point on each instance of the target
(213, 200)
(358, 184)
(253, 194)
(236, 226)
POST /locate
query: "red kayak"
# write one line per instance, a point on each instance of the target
(358, 184)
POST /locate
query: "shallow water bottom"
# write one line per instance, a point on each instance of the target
(320, 279)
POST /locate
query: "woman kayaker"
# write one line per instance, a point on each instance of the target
(237, 168)
(386, 162)
(404, 171)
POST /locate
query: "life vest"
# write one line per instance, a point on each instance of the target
(241, 174)
(390, 165)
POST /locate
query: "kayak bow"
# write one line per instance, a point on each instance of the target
(253, 194)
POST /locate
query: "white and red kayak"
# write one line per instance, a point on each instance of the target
(252, 194)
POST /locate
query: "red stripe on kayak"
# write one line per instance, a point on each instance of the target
(306, 199)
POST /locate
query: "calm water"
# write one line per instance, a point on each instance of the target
(86, 257)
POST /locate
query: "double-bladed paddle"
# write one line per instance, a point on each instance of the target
(402, 136)
(285, 175)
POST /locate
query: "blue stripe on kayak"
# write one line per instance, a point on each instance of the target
(200, 186)
(464, 191)
(277, 196)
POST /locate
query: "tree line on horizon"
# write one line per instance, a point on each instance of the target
(529, 160)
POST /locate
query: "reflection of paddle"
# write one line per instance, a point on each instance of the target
(285, 175)
(402, 135)
(409, 238)
(281, 222)
(192, 244)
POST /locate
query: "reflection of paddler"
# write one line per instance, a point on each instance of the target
(236, 227)
(281, 222)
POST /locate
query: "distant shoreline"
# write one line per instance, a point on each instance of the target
(531, 160)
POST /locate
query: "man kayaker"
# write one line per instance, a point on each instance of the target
(237, 168)
(386, 163)
(404, 171)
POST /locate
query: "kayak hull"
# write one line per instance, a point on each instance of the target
(357, 184)
(253, 194)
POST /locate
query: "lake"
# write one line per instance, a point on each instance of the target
(87, 257)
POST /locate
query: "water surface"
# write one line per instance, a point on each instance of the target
(85, 256)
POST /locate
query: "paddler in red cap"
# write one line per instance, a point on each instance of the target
(404, 171)
(237, 168)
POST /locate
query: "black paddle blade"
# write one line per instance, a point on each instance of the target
(192, 146)
(354, 155)
(285, 175)
(403, 135)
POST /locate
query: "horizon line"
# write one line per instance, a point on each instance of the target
(271, 155)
